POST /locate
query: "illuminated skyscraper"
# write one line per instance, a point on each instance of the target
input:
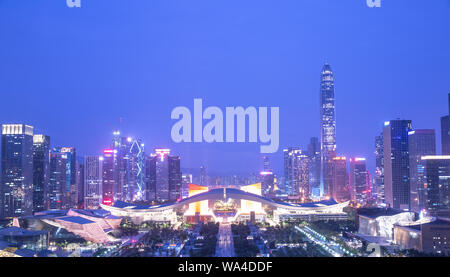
(327, 127)
(359, 187)
(163, 176)
(130, 162)
(80, 183)
(314, 166)
(93, 181)
(174, 178)
(186, 179)
(340, 188)
(41, 171)
(296, 173)
(437, 189)
(63, 186)
(396, 163)
(109, 177)
(422, 142)
(378, 186)
(16, 190)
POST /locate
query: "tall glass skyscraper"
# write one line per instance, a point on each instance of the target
(396, 163)
(41, 171)
(163, 176)
(341, 191)
(314, 166)
(16, 190)
(422, 142)
(130, 165)
(437, 191)
(296, 173)
(359, 187)
(93, 181)
(327, 127)
(63, 186)
(109, 177)
(378, 186)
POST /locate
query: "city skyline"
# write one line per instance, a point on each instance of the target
(210, 129)
(250, 78)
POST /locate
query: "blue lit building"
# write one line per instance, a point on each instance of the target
(396, 163)
(16, 189)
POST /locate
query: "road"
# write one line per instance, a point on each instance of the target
(225, 247)
(330, 247)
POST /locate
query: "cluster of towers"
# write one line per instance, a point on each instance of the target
(36, 177)
(408, 175)
(319, 171)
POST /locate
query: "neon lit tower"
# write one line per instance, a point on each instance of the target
(327, 127)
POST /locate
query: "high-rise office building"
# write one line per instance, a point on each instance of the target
(327, 127)
(174, 178)
(16, 190)
(291, 174)
(63, 186)
(57, 180)
(163, 176)
(396, 163)
(186, 179)
(296, 173)
(80, 183)
(378, 186)
(41, 171)
(359, 186)
(422, 142)
(110, 176)
(437, 187)
(314, 166)
(130, 163)
(339, 188)
(93, 181)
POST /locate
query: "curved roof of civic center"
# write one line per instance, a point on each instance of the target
(230, 193)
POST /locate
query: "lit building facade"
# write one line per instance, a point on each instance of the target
(130, 163)
(16, 191)
(327, 127)
(63, 186)
(267, 184)
(396, 163)
(378, 185)
(340, 188)
(163, 176)
(436, 186)
(186, 179)
(422, 142)
(93, 181)
(109, 177)
(229, 204)
(314, 166)
(431, 236)
(41, 171)
(296, 173)
(359, 186)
